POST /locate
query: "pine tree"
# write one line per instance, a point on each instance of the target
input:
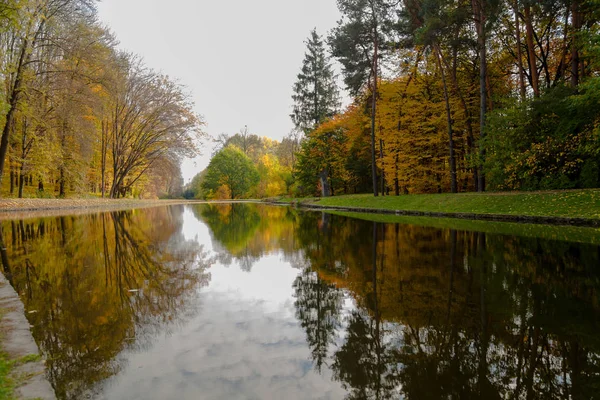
(316, 96)
(358, 42)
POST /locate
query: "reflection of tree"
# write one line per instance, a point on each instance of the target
(246, 232)
(364, 364)
(232, 226)
(447, 314)
(318, 305)
(98, 284)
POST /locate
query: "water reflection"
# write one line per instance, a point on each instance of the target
(96, 285)
(439, 313)
(305, 305)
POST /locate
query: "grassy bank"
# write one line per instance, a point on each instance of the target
(567, 204)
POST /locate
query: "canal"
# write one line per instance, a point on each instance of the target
(248, 301)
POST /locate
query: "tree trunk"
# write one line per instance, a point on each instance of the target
(396, 180)
(453, 184)
(21, 181)
(373, 114)
(15, 92)
(533, 73)
(324, 178)
(12, 180)
(375, 73)
(13, 103)
(382, 167)
(576, 23)
(519, 51)
(481, 42)
(61, 183)
(103, 151)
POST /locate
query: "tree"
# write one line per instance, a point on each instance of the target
(231, 168)
(358, 42)
(152, 119)
(316, 96)
(34, 21)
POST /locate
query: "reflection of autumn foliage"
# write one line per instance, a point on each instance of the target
(439, 313)
(246, 232)
(99, 284)
(446, 314)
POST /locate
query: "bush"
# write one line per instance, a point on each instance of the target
(590, 176)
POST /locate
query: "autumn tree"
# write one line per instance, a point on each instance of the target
(359, 42)
(152, 119)
(20, 45)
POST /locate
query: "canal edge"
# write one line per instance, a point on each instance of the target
(17, 341)
(527, 219)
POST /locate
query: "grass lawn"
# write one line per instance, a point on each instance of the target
(571, 203)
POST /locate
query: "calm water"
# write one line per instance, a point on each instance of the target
(259, 302)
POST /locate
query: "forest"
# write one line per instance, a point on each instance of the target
(80, 117)
(447, 96)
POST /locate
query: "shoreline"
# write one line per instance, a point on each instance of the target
(28, 368)
(32, 208)
(525, 219)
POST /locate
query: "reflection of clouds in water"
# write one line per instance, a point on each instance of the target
(193, 229)
(270, 281)
(235, 349)
(245, 343)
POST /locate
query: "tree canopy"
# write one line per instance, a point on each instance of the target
(231, 171)
(78, 116)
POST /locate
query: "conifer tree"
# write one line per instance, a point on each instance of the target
(316, 96)
(358, 42)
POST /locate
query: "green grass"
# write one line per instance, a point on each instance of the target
(8, 381)
(551, 232)
(571, 204)
(7, 384)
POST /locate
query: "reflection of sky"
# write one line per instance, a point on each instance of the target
(244, 343)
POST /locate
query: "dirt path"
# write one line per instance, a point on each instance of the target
(30, 208)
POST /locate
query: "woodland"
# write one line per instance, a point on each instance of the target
(80, 117)
(446, 96)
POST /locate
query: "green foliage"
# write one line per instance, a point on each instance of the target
(356, 38)
(590, 175)
(233, 169)
(550, 142)
(316, 96)
(194, 189)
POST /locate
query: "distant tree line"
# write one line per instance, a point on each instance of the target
(78, 116)
(246, 165)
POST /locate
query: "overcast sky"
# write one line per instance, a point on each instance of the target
(239, 58)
